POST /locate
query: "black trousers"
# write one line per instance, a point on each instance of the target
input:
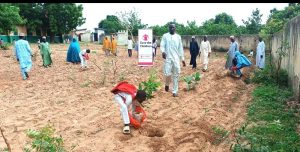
(129, 52)
(193, 59)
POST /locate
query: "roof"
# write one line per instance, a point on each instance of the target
(99, 28)
(81, 29)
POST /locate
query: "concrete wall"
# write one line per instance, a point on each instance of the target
(247, 42)
(291, 63)
(122, 37)
(86, 37)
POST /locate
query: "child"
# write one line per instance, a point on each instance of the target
(84, 56)
(127, 95)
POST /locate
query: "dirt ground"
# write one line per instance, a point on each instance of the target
(80, 106)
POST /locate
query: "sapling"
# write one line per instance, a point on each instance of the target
(150, 86)
(192, 80)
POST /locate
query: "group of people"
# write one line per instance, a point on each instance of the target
(236, 60)
(110, 46)
(24, 54)
(171, 47)
(75, 55)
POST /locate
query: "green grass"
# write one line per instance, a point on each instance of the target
(270, 125)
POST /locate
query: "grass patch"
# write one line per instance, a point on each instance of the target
(270, 125)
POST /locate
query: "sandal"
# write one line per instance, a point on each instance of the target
(126, 130)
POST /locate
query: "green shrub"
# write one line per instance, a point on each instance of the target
(5, 46)
(150, 86)
(43, 140)
(191, 80)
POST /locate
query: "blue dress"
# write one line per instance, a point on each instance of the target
(73, 52)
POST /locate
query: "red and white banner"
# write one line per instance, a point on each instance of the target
(145, 47)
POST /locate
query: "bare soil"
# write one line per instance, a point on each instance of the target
(81, 108)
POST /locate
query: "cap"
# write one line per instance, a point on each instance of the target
(21, 34)
(231, 37)
(193, 37)
(44, 37)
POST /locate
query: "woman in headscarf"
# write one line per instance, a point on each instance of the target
(73, 52)
(45, 52)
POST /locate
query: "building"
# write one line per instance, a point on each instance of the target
(98, 34)
(84, 35)
(122, 37)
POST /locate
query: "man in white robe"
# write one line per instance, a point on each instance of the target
(205, 50)
(172, 51)
(260, 54)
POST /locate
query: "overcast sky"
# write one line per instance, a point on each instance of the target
(161, 13)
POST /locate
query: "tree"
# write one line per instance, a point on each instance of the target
(159, 30)
(278, 18)
(63, 17)
(9, 18)
(224, 18)
(131, 21)
(253, 24)
(222, 24)
(111, 24)
(193, 29)
(32, 13)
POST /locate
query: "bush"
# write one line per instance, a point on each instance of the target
(43, 140)
(192, 80)
(150, 86)
(268, 76)
(5, 46)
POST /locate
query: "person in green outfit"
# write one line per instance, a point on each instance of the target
(45, 52)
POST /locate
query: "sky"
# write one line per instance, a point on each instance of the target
(161, 13)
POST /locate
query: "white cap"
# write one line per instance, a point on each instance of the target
(231, 37)
(44, 37)
(193, 37)
(21, 34)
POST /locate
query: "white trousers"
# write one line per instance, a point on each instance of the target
(171, 69)
(205, 60)
(124, 106)
(83, 61)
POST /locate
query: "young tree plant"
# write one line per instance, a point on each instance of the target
(282, 52)
(150, 86)
(192, 80)
(43, 140)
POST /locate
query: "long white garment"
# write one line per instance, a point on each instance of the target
(124, 106)
(172, 46)
(129, 44)
(82, 59)
(205, 49)
(260, 51)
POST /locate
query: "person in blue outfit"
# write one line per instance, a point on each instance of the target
(73, 52)
(23, 53)
(239, 61)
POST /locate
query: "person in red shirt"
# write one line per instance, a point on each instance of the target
(127, 95)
